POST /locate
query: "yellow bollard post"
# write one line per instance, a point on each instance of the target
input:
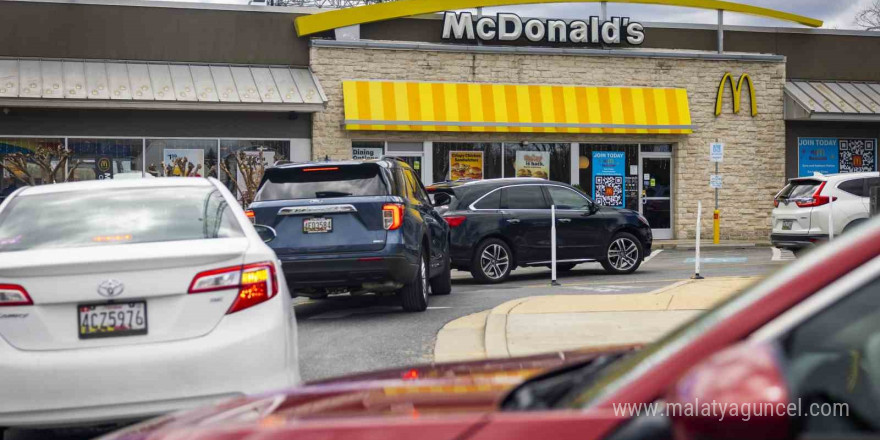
(716, 226)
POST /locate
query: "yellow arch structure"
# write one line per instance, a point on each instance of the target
(736, 91)
(325, 21)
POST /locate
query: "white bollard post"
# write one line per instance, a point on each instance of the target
(697, 256)
(553, 246)
(830, 217)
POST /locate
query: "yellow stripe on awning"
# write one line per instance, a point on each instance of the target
(418, 106)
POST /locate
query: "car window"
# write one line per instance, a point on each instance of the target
(835, 357)
(524, 197)
(490, 201)
(322, 182)
(800, 189)
(416, 187)
(565, 198)
(855, 187)
(116, 216)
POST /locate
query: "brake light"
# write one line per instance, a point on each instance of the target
(14, 295)
(308, 170)
(816, 200)
(455, 220)
(392, 216)
(256, 283)
(775, 203)
(251, 215)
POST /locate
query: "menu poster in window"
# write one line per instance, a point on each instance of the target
(532, 164)
(609, 171)
(366, 153)
(103, 167)
(184, 162)
(465, 165)
(817, 155)
(857, 155)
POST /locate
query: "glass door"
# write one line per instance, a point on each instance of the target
(415, 161)
(656, 192)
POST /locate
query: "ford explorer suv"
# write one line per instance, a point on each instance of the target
(356, 227)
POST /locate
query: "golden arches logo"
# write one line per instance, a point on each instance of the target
(325, 21)
(736, 91)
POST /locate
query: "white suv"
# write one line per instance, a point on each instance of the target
(800, 219)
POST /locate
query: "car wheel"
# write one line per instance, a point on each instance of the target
(442, 284)
(492, 262)
(623, 255)
(414, 295)
(565, 267)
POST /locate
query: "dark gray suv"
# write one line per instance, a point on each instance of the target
(356, 226)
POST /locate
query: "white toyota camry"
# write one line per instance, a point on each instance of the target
(131, 298)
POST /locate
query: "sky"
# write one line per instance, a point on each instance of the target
(837, 14)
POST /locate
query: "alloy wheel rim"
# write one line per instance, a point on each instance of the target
(494, 261)
(623, 254)
(424, 281)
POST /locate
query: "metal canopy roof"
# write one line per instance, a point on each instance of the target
(157, 86)
(832, 100)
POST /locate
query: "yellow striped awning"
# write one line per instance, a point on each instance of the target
(467, 107)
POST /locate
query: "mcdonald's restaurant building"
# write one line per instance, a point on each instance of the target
(623, 107)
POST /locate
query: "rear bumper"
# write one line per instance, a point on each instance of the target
(392, 265)
(248, 352)
(797, 241)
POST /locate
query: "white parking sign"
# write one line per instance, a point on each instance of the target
(716, 152)
(715, 181)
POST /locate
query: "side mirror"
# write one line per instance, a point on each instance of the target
(737, 393)
(266, 233)
(442, 199)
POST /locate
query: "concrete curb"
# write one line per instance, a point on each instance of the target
(495, 337)
(691, 245)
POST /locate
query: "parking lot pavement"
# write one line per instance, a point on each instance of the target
(343, 334)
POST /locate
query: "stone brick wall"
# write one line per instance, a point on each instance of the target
(754, 162)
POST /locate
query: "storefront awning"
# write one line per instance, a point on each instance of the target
(157, 86)
(832, 101)
(465, 107)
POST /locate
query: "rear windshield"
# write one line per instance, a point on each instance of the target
(799, 189)
(322, 182)
(119, 216)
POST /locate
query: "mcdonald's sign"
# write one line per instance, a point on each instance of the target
(736, 91)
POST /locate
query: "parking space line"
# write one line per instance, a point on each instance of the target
(653, 254)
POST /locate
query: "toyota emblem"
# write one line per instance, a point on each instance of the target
(110, 288)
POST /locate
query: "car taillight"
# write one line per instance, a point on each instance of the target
(455, 220)
(251, 215)
(256, 283)
(392, 216)
(775, 203)
(816, 200)
(14, 295)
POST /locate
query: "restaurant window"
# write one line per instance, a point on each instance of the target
(619, 163)
(466, 160)
(242, 160)
(541, 160)
(182, 157)
(105, 158)
(29, 161)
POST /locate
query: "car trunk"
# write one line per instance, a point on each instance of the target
(61, 281)
(788, 217)
(325, 209)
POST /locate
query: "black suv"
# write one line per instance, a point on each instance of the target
(356, 226)
(500, 224)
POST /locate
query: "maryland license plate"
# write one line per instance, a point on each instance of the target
(112, 320)
(317, 225)
(786, 225)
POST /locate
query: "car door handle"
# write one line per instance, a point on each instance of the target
(564, 220)
(513, 220)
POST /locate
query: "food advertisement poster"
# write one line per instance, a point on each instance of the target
(609, 170)
(195, 159)
(532, 164)
(465, 165)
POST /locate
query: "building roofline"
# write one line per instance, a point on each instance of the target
(301, 10)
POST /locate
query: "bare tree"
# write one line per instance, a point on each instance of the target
(869, 17)
(250, 167)
(17, 164)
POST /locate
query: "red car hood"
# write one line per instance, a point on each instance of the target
(466, 389)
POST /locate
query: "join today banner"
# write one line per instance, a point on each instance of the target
(833, 155)
(609, 173)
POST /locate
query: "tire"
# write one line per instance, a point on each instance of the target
(495, 266)
(631, 248)
(414, 295)
(442, 284)
(565, 267)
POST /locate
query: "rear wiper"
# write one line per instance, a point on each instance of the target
(543, 392)
(329, 194)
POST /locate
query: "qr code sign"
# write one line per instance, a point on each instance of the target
(609, 190)
(857, 155)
